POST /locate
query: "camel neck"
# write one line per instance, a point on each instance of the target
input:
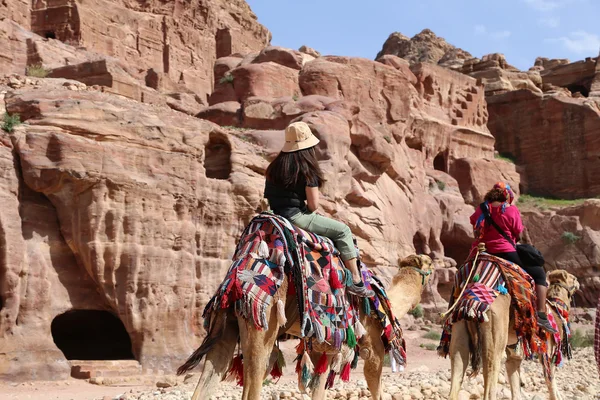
(561, 293)
(405, 291)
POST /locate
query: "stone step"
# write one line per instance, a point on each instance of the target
(86, 369)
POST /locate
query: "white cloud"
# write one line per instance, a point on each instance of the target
(544, 5)
(550, 5)
(480, 29)
(549, 22)
(501, 34)
(497, 35)
(581, 42)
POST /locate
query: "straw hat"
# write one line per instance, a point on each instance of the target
(298, 136)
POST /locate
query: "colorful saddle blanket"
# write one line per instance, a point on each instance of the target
(494, 277)
(562, 339)
(270, 249)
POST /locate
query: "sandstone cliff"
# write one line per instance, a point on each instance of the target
(116, 198)
(547, 120)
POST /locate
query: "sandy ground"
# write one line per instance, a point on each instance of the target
(419, 360)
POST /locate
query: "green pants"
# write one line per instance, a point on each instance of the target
(334, 230)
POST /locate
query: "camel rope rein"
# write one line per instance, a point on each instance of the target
(480, 249)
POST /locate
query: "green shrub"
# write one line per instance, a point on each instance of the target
(505, 157)
(295, 97)
(432, 335)
(581, 339)
(37, 71)
(441, 185)
(10, 121)
(417, 312)
(545, 202)
(388, 139)
(227, 78)
(570, 237)
(429, 346)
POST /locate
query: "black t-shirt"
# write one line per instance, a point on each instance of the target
(288, 201)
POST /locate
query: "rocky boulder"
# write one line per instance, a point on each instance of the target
(500, 77)
(424, 47)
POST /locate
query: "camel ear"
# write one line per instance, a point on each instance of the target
(411, 261)
(559, 275)
(574, 282)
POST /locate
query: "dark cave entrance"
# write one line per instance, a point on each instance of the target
(217, 157)
(576, 88)
(91, 335)
(419, 242)
(50, 35)
(440, 163)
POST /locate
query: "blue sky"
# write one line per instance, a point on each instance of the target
(521, 29)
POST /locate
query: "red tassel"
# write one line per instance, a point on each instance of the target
(330, 380)
(334, 279)
(321, 365)
(276, 372)
(237, 290)
(237, 368)
(300, 347)
(225, 301)
(345, 375)
(299, 365)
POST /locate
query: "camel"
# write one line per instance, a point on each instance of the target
(218, 347)
(495, 335)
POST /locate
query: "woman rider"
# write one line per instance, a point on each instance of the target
(507, 216)
(292, 187)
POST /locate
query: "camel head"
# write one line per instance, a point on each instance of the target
(420, 263)
(562, 284)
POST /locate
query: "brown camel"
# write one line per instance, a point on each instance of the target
(404, 293)
(496, 334)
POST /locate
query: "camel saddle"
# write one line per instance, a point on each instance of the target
(478, 283)
(271, 249)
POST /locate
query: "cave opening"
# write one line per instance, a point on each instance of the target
(439, 163)
(50, 35)
(419, 242)
(578, 88)
(224, 43)
(217, 157)
(91, 335)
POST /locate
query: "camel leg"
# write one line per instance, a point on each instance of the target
(217, 360)
(256, 348)
(459, 357)
(553, 391)
(513, 367)
(494, 338)
(319, 392)
(374, 360)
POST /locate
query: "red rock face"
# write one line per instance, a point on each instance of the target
(182, 41)
(555, 140)
(476, 176)
(107, 233)
(110, 204)
(569, 239)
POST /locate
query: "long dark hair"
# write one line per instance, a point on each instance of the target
(290, 169)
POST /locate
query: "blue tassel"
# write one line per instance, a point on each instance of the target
(348, 278)
(305, 375)
(367, 306)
